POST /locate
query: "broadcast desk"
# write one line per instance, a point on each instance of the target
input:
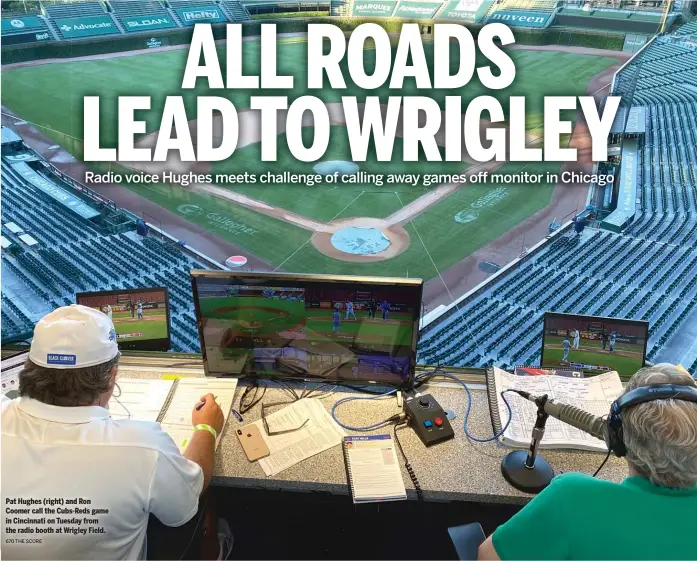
(457, 470)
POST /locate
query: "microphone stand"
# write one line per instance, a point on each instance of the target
(529, 472)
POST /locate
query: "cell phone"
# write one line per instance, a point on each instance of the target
(252, 443)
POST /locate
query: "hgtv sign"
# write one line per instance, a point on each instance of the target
(134, 24)
(191, 16)
(520, 19)
(19, 38)
(86, 27)
(373, 9)
(416, 10)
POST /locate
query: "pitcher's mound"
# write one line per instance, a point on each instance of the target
(360, 241)
(336, 166)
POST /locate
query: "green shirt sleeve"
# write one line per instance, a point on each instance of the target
(540, 529)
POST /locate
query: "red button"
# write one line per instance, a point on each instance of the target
(438, 421)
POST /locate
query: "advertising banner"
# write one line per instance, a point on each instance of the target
(520, 19)
(460, 10)
(160, 21)
(21, 23)
(209, 14)
(154, 43)
(21, 38)
(86, 27)
(416, 10)
(373, 9)
(55, 192)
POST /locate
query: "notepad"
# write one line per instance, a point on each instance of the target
(170, 402)
(594, 395)
(176, 419)
(373, 469)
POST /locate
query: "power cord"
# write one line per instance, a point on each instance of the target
(407, 465)
(394, 418)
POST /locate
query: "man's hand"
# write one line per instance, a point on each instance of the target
(209, 413)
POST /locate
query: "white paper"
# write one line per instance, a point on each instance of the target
(375, 471)
(140, 399)
(177, 419)
(594, 395)
(319, 434)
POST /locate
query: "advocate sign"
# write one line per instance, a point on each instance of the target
(86, 27)
(134, 24)
(373, 9)
(520, 19)
(192, 16)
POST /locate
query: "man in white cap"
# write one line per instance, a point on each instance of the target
(84, 482)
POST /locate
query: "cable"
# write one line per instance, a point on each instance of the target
(607, 456)
(407, 465)
(436, 373)
(392, 419)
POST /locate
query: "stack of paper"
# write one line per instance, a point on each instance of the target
(319, 434)
(141, 400)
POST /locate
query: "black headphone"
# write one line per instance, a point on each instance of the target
(634, 397)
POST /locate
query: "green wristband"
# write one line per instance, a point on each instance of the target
(209, 428)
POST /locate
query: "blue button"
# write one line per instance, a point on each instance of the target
(428, 424)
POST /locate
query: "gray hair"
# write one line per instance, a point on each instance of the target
(661, 435)
(67, 387)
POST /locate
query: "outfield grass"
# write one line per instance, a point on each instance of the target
(152, 326)
(626, 358)
(438, 238)
(32, 92)
(267, 317)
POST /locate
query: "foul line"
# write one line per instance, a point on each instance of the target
(429, 254)
(313, 233)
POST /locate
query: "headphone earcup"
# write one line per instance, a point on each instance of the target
(615, 432)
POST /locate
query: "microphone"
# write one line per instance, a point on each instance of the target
(531, 473)
(572, 415)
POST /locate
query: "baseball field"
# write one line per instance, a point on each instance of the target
(266, 317)
(152, 326)
(626, 359)
(399, 229)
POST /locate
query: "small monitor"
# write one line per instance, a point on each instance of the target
(593, 345)
(334, 328)
(140, 316)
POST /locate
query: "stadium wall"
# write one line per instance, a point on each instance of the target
(171, 37)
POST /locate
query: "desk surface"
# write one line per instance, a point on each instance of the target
(457, 470)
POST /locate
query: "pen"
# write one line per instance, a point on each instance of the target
(237, 415)
(200, 405)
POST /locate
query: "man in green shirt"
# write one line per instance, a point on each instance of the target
(650, 515)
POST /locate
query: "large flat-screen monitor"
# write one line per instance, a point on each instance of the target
(594, 345)
(340, 328)
(140, 316)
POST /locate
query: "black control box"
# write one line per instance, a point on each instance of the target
(428, 419)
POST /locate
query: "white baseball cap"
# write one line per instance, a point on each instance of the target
(73, 337)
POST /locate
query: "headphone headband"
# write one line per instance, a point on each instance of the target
(643, 394)
(657, 391)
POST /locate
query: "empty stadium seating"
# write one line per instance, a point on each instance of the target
(648, 272)
(76, 255)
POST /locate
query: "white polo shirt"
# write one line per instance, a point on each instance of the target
(126, 469)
